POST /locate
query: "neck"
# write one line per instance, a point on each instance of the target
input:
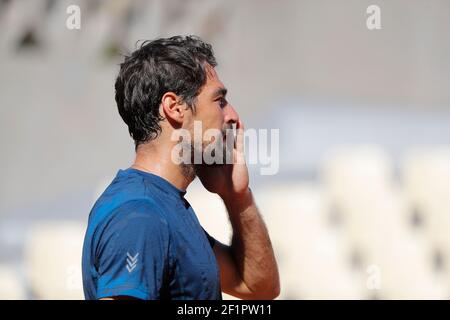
(157, 160)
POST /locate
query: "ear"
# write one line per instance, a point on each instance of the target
(173, 109)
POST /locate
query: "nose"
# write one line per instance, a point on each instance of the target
(231, 115)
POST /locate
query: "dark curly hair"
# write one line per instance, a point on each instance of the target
(175, 64)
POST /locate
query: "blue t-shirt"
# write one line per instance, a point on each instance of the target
(144, 240)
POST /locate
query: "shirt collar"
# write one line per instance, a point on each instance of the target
(160, 182)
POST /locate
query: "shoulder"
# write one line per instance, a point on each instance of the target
(138, 214)
(136, 221)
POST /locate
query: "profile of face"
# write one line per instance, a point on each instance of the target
(216, 117)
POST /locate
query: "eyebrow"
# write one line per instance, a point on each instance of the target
(220, 92)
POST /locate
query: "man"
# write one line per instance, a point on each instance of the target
(143, 238)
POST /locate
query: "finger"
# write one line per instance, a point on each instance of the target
(240, 142)
(240, 125)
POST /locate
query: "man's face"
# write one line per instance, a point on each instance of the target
(213, 111)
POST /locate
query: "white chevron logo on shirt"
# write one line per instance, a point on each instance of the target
(131, 262)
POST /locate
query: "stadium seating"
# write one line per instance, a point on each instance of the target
(53, 260)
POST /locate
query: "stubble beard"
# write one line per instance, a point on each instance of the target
(190, 170)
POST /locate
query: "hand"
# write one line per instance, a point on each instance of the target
(229, 180)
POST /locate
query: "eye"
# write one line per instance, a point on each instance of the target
(222, 102)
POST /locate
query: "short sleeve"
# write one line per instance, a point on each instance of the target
(133, 253)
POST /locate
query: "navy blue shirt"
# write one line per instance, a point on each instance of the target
(144, 240)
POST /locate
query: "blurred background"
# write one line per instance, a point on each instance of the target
(360, 206)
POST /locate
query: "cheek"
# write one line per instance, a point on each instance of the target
(220, 116)
(213, 119)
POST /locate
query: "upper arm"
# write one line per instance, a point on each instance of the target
(132, 254)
